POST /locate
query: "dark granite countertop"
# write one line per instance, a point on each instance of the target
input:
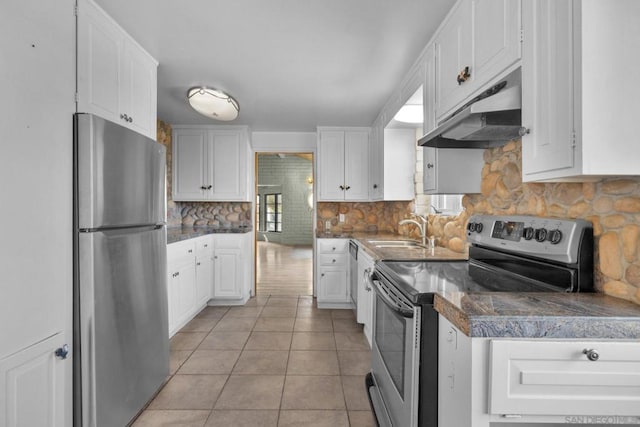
(177, 234)
(540, 315)
(405, 254)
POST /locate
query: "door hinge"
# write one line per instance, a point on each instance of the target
(573, 139)
(75, 9)
(76, 97)
(521, 35)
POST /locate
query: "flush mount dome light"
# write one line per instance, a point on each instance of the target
(213, 103)
(410, 113)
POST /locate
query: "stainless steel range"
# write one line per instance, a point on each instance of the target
(507, 254)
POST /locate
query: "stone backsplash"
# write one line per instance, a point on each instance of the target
(217, 214)
(363, 216)
(612, 205)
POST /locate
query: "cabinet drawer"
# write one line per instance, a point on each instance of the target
(204, 244)
(337, 260)
(229, 241)
(328, 246)
(557, 378)
(179, 250)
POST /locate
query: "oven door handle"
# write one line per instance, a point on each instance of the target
(402, 311)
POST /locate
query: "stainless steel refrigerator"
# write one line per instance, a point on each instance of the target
(121, 339)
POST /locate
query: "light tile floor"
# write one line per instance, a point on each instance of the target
(277, 361)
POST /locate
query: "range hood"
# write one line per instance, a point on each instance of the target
(488, 120)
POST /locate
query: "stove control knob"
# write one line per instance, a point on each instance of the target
(528, 233)
(541, 234)
(479, 227)
(555, 236)
(471, 227)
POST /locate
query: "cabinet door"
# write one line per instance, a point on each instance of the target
(356, 165)
(98, 73)
(185, 292)
(138, 89)
(429, 170)
(547, 88)
(32, 386)
(204, 277)
(429, 90)
(227, 274)
(376, 162)
(332, 285)
(454, 52)
(189, 148)
(496, 38)
(226, 167)
(331, 166)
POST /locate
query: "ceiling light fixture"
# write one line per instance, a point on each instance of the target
(410, 113)
(213, 103)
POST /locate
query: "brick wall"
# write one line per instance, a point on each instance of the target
(290, 175)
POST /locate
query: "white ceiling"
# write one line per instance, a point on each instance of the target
(291, 64)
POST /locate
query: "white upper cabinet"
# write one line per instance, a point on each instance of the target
(116, 78)
(343, 164)
(478, 41)
(209, 163)
(454, 52)
(576, 102)
(376, 161)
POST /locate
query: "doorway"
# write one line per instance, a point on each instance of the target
(284, 223)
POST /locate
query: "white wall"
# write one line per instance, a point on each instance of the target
(37, 83)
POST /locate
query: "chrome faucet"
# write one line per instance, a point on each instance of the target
(422, 225)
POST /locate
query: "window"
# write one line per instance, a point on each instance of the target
(447, 204)
(273, 212)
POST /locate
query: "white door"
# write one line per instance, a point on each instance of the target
(138, 90)
(226, 165)
(331, 165)
(454, 54)
(30, 385)
(204, 278)
(99, 51)
(189, 148)
(496, 37)
(227, 274)
(547, 87)
(356, 165)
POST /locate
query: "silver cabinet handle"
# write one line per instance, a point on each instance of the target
(62, 352)
(429, 165)
(592, 354)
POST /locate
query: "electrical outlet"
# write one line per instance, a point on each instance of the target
(341, 217)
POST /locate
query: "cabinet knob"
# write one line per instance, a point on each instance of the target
(197, 263)
(429, 165)
(347, 187)
(592, 354)
(190, 251)
(463, 75)
(322, 275)
(333, 260)
(342, 187)
(375, 186)
(62, 352)
(524, 131)
(202, 187)
(333, 248)
(206, 245)
(130, 119)
(215, 257)
(209, 187)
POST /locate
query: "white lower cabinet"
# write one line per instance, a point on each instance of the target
(32, 385)
(489, 381)
(232, 274)
(214, 269)
(332, 273)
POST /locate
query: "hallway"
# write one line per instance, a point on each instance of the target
(283, 270)
(275, 362)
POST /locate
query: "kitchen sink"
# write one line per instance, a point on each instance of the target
(408, 244)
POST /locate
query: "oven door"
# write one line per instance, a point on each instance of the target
(395, 355)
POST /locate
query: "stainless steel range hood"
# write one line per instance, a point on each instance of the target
(490, 119)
